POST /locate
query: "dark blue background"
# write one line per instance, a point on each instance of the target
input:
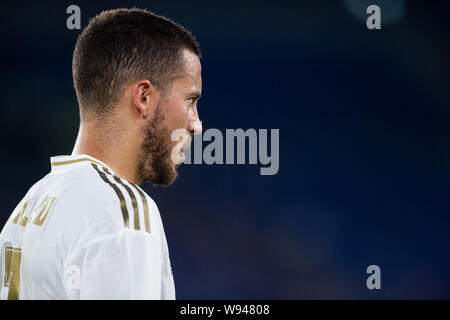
(364, 143)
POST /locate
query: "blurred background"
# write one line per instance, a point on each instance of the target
(363, 115)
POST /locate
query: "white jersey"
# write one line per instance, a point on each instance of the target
(81, 232)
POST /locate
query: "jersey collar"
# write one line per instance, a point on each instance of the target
(65, 162)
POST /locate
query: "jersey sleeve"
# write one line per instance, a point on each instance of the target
(124, 265)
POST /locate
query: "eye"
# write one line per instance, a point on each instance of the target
(193, 99)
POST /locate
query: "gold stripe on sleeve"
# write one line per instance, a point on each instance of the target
(146, 213)
(123, 205)
(133, 200)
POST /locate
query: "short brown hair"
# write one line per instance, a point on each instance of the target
(123, 45)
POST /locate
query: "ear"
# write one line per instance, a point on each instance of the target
(145, 97)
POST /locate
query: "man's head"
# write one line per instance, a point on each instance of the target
(142, 73)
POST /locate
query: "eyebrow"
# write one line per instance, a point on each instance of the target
(196, 95)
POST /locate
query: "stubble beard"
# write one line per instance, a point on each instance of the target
(154, 162)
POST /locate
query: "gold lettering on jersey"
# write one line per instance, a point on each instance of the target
(44, 207)
(24, 221)
(20, 215)
(12, 271)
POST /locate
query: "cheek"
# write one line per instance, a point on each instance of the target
(177, 116)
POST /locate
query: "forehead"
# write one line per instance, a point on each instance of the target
(192, 75)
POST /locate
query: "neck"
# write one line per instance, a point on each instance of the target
(111, 146)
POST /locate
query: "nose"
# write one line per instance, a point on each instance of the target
(194, 125)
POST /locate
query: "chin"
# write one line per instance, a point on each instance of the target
(169, 179)
(162, 176)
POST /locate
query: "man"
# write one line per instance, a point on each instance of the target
(87, 230)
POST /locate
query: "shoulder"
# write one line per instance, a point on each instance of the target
(94, 196)
(24, 202)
